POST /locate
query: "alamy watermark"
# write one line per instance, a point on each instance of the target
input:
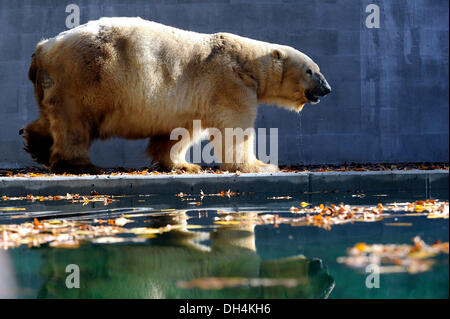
(73, 279)
(73, 19)
(373, 279)
(373, 19)
(231, 147)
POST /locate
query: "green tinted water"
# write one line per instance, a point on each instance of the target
(157, 267)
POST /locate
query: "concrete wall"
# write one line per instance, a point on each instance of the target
(390, 85)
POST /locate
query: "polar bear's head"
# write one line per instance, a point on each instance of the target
(294, 79)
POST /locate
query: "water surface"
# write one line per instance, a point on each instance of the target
(201, 255)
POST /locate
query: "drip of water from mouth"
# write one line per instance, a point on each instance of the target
(299, 138)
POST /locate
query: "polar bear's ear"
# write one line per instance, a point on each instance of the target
(278, 55)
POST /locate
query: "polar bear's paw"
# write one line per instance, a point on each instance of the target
(268, 168)
(187, 167)
(260, 167)
(254, 167)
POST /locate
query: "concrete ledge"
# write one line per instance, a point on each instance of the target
(286, 183)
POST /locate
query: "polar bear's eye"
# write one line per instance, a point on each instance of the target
(309, 72)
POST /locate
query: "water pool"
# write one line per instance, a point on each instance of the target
(223, 245)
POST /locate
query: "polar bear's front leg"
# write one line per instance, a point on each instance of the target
(240, 156)
(238, 146)
(161, 147)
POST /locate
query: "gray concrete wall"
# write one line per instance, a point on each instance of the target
(390, 85)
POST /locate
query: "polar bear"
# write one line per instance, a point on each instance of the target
(134, 78)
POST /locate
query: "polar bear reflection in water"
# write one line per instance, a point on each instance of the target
(181, 264)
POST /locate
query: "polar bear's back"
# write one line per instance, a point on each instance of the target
(139, 27)
(141, 41)
(143, 78)
(128, 66)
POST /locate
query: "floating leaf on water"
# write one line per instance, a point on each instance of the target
(108, 240)
(361, 246)
(19, 216)
(145, 230)
(65, 244)
(197, 226)
(304, 204)
(122, 221)
(395, 257)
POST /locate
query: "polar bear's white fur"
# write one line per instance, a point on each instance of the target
(135, 79)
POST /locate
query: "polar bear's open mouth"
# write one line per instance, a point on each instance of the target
(312, 99)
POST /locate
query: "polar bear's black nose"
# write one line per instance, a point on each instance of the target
(322, 86)
(327, 89)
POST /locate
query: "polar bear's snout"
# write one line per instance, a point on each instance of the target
(320, 88)
(323, 86)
